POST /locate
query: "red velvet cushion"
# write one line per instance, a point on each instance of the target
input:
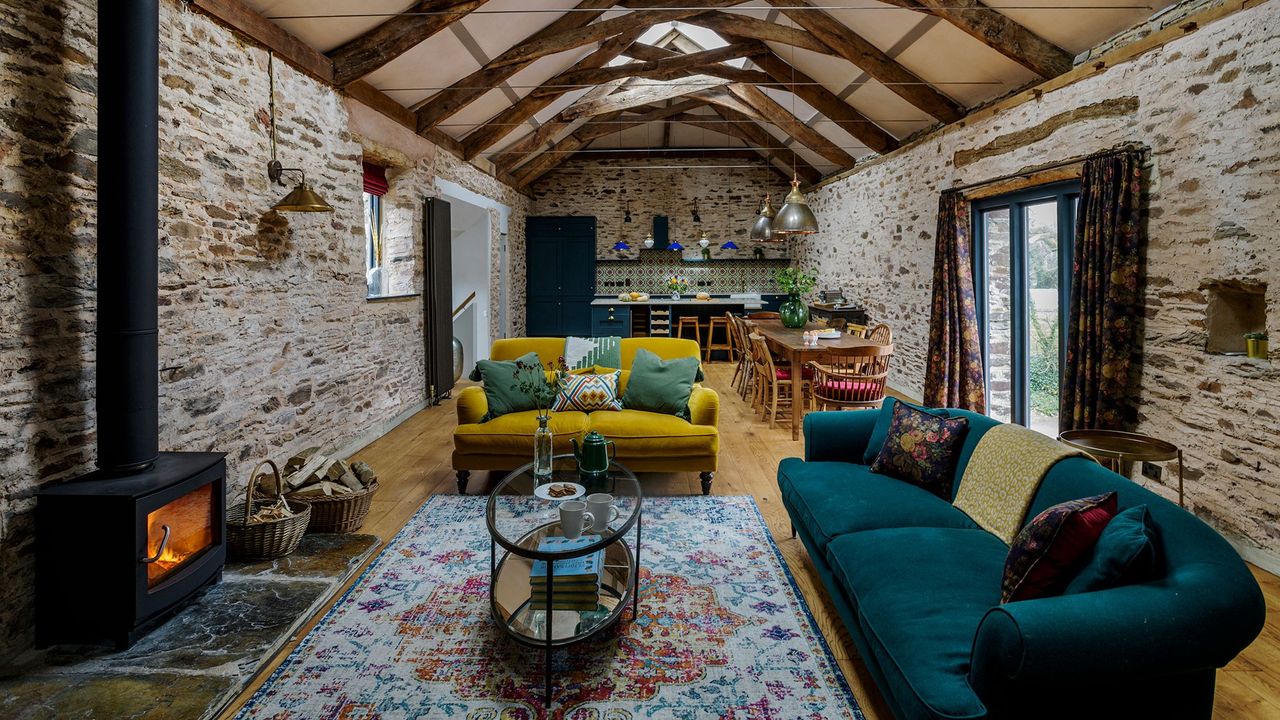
(785, 373)
(1051, 549)
(845, 386)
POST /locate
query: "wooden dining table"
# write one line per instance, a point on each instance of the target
(789, 343)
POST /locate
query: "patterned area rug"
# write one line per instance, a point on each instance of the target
(722, 633)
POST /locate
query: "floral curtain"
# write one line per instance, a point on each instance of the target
(954, 375)
(1104, 330)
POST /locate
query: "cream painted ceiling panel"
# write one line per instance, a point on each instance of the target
(879, 24)
(485, 107)
(500, 25)
(1078, 28)
(881, 105)
(688, 136)
(326, 33)
(961, 67)
(436, 63)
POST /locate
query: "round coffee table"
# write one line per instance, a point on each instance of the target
(519, 521)
(1113, 448)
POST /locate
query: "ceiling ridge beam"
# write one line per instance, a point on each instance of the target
(857, 50)
(746, 26)
(998, 32)
(668, 68)
(502, 124)
(362, 55)
(643, 95)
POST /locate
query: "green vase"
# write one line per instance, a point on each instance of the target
(794, 312)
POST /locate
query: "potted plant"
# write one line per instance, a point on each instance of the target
(541, 385)
(1256, 345)
(794, 282)
(677, 284)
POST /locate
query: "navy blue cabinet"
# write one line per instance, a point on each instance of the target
(610, 320)
(560, 275)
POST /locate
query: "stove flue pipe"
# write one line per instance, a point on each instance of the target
(128, 234)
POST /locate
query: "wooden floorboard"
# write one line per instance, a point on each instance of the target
(412, 462)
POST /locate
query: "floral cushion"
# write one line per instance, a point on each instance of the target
(589, 392)
(922, 449)
(1052, 548)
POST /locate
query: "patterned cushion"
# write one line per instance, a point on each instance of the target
(589, 392)
(921, 448)
(1050, 550)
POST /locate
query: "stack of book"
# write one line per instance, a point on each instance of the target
(575, 584)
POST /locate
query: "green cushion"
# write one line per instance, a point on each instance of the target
(660, 386)
(834, 498)
(500, 389)
(881, 429)
(1125, 553)
(920, 594)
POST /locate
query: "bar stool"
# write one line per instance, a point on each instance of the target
(726, 344)
(689, 321)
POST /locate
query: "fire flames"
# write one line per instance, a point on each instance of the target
(190, 522)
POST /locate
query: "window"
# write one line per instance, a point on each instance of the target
(1022, 277)
(375, 186)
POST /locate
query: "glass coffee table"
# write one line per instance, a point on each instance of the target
(519, 520)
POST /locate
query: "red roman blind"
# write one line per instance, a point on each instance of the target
(375, 179)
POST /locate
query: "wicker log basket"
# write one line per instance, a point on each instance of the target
(339, 513)
(271, 538)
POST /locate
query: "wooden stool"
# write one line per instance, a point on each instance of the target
(726, 345)
(689, 321)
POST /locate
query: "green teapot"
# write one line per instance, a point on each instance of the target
(593, 455)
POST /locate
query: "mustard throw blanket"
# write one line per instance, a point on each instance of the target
(1003, 476)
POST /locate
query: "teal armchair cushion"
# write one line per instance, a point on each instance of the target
(1125, 552)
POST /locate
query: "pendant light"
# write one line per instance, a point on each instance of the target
(626, 218)
(626, 213)
(795, 217)
(697, 217)
(728, 245)
(762, 229)
(301, 198)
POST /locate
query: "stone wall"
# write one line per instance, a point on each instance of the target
(267, 343)
(1208, 105)
(728, 199)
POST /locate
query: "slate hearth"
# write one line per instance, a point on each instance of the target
(194, 664)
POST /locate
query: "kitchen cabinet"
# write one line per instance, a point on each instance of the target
(560, 276)
(610, 320)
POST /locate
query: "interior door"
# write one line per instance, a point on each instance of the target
(437, 297)
(578, 279)
(542, 278)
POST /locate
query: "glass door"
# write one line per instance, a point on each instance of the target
(1022, 271)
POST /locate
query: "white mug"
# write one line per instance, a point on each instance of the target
(573, 514)
(601, 510)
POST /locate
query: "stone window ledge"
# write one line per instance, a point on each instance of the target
(392, 298)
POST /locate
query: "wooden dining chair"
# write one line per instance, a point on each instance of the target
(851, 377)
(740, 353)
(776, 390)
(765, 315)
(859, 331)
(745, 328)
(881, 334)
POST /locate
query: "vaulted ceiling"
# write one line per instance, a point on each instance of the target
(811, 85)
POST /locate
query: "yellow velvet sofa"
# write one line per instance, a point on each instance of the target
(644, 441)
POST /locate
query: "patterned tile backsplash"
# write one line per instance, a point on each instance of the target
(721, 277)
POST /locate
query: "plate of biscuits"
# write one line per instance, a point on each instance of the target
(559, 491)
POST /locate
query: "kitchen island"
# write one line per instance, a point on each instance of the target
(657, 316)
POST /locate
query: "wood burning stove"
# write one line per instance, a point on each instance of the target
(123, 546)
(116, 553)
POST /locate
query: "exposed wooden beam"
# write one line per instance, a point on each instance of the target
(578, 139)
(760, 141)
(444, 104)
(750, 27)
(792, 125)
(524, 149)
(668, 68)
(642, 95)
(722, 98)
(660, 154)
(649, 53)
(364, 54)
(245, 20)
(828, 103)
(875, 62)
(535, 48)
(999, 32)
(500, 125)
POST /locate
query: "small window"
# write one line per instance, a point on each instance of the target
(375, 186)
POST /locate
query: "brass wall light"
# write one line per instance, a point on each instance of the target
(301, 198)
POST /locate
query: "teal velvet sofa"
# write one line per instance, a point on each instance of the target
(917, 584)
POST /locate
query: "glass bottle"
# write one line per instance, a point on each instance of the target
(542, 438)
